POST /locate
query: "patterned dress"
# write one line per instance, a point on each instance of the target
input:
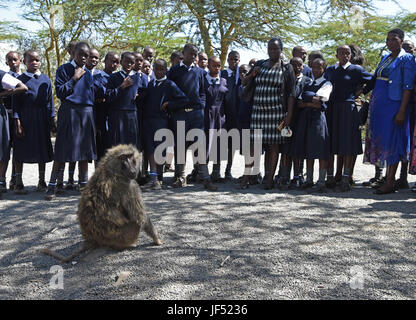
(268, 111)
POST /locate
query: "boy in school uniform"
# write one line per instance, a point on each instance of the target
(158, 100)
(175, 58)
(34, 116)
(13, 61)
(101, 105)
(191, 80)
(216, 91)
(300, 52)
(203, 61)
(231, 74)
(75, 138)
(122, 90)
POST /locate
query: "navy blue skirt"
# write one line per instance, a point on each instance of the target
(123, 128)
(36, 145)
(346, 134)
(4, 135)
(310, 138)
(75, 138)
(149, 127)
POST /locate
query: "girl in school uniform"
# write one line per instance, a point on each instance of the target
(8, 86)
(161, 97)
(311, 138)
(34, 116)
(214, 113)
(122, 90)
(75, 138)
(347, 79)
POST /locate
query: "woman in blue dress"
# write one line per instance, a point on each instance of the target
(392, 86)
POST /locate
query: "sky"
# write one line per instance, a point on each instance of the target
(11, 13)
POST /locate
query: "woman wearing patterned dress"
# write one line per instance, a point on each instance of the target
(393, 83)
(274, 99)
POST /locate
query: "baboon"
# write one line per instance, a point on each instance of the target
(111, 210)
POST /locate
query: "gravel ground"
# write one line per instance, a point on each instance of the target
(230, 244)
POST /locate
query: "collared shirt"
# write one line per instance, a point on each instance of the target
(230, 72)
(124, 73)
(159, 81)
(29, 74)
(14, 74)
(299, 78)
(187, 67)
(9, 82)
(345, 66)
(211, 79)
(76, 66)
(325, 90)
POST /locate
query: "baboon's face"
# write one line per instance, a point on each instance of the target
(130, 165)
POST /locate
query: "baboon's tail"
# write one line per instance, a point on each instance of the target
(85, 247)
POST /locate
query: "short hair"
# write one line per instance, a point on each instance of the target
(278, 40)
(161, 62)
(397, 31)
(213, 57)
(246, 66)
(190, 46)
(71, 45)
(11, 52)
(148, 48)
(176, 54)
(320, 61)
(27, 52)
(295, 49)
(316, 54)
(234, 53)
(109, 54)
(126, 54)
(296, 59)
(80, 45)
(344, 46)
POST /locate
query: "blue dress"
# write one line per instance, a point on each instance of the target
(387, 143)
(36, 111)
(310, 136)
(75, 138)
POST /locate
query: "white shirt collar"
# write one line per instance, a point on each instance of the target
(300, 77)
(345, 66)
(73, 63)
(320, 80)
(209, 78)
(125, 73)
(189, 68)
(29, 74)
(162, 79)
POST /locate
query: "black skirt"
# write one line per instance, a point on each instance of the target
(4, 135)
(123, 128)
(75, 138)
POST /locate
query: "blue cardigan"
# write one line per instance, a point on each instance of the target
(402, 75)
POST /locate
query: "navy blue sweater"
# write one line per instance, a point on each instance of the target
(191, 82)
(79, 92)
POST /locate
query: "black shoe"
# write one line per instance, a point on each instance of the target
(344, 186)
(401, 184)
(378, 183)
(228, 176)
(50, 193)
(210, 186)
(20, 189)
(3, 187)
(370, 182)
(294, 184)
(60, 188)
(192, 177)
(12, 184)
(254, 180)
(319, 188)
(42, 187)
(331, 183)
(306, 185)
(70, 185)
(216, 177)
(283, 184)
(179, 182)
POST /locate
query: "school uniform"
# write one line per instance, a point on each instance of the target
(154, 96)
(75, 138)
(214, 117)
(144, 81)
(6, 82)
(311, 137)
(307, 71)
(344, 116)
(191, 81)
(36, 112)
(101, 113)
(8, 104)
(232, 98)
